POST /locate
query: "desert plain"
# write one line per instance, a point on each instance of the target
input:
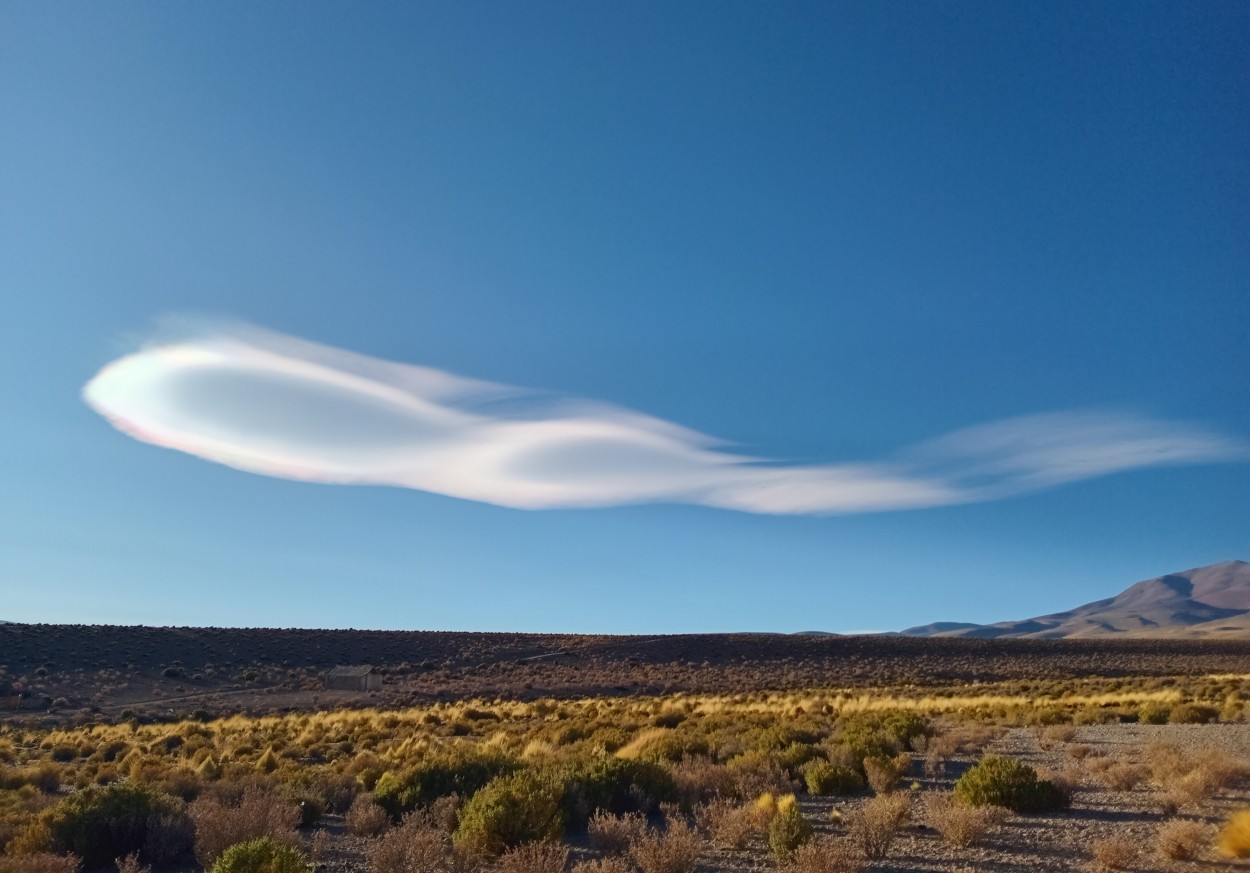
(162, 748)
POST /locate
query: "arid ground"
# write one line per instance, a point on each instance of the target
(681, 754)
(69, 668)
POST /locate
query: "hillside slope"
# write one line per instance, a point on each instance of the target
(1211, 601)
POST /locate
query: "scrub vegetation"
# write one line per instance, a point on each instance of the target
(1145, 771)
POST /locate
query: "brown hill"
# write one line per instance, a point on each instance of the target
(1209, 601)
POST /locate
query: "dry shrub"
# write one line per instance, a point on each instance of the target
(1235, 835)
(1114, 853)
(1190, 779)
(320, 844)
(972, 739)
(40, 862)
(755, 776)
(943, 745)
(461, 861)
(883, 773)
(1067, 781)
(614, 834)
(1189, 790)
(130, 864)
(1080, 751)
(1193, 790)
(168, 837)
(365, 818)
(874, 827)
(1183, 840)
(259, 813)
(1059, 733)
(545, 857)
(1164, 760)
(700, 779)
(336, 791)
(1123, 776)
(46, 777)
(727, 824)
(603, 865)
(415, 846)
(675, 850)
(445, 812)
(1169, 801)
(937, 750)
(1218, 768)
(824, 855)
(1192, 713)
(959, 825)
(1097, 766)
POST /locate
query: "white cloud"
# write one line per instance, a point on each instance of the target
(281, 406)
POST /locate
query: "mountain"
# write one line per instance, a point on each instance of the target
(1209, 601)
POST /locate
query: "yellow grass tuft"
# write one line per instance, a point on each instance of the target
(1235, 836)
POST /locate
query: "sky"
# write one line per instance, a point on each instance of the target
(618, 318)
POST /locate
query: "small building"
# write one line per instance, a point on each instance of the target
(359, 678)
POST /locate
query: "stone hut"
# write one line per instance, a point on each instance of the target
(359, 678)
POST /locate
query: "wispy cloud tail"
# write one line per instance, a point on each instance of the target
(281, 406)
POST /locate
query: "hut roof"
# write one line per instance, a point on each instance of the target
(352, 672)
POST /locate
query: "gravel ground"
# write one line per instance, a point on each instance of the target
(1053, 842)
(1062, 841)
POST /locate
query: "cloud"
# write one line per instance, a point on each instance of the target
(280, 406)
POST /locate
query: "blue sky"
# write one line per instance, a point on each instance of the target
(822, 233)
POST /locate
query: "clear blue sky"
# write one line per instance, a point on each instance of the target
(824, 232)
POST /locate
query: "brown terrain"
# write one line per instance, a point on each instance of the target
(69, 668)
(1206, 602)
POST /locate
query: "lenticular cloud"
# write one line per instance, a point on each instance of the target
(281, 406)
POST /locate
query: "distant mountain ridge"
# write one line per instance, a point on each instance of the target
(1211, 601)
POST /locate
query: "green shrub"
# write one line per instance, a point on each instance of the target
(824, 778)
(614, 785)
(881, 734)
(460, 773)
(775, 736)
(788, 829)
(261, 855)
(1154, 713)
(102, 823)
(795, 755)
(1001, 781)
(511, 810)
